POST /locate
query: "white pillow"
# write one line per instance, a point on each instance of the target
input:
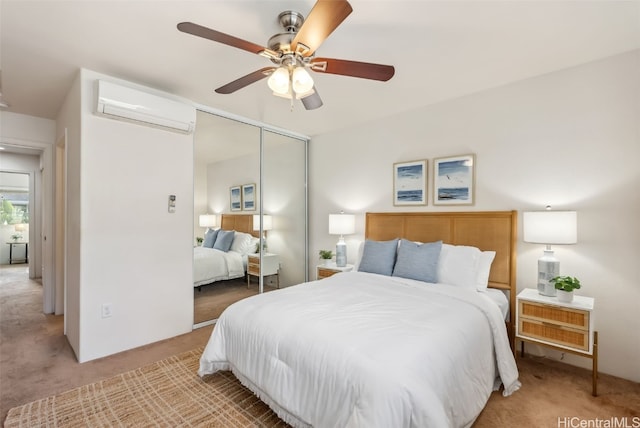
(465, 266)
(458, 265)
(484, 266)
(243, 243)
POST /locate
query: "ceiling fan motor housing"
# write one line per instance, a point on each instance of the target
(291, 22)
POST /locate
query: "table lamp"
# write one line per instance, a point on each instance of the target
(267, 224)
(341, 224)
(549, 227)
(208, 220)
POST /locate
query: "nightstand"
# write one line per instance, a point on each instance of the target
(567, 327)
(270, 266)
(325, 271)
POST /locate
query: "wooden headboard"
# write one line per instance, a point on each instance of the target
(240, 223)
(487, 230)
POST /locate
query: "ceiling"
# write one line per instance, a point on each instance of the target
(440, 49)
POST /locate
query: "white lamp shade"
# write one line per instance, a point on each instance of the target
(20, 227)
(208, 220)
(279, 80)
(301, 81)
(342, 224)
(550, 227)
(267, 222)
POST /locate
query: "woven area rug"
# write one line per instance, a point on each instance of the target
(168, 393)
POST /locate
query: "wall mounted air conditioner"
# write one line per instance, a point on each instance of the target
(132, 105)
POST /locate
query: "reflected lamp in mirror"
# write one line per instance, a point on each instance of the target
(549, 228)
(341, 224)
(208, 220)
(267, 224)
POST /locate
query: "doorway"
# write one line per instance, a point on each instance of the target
(14, 217)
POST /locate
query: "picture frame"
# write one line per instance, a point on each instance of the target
(454, 180)
(235, 196)
(249, 197)
(410, 183)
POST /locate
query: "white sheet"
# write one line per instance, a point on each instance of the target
(364, 350)
(211, 265)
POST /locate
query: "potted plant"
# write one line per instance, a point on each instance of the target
(326, 256)
(565, 286)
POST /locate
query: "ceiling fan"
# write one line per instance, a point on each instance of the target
(293, 51)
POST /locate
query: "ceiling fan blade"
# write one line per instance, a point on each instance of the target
(313, 101)
(217, 36)
(245, 80)
(325, 17)
(364, 70)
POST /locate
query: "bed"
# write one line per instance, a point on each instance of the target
(211, 265)
(363, 349)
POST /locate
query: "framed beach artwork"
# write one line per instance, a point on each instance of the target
(249, 197)
(454, 180)
(236, 198)
(410, 183)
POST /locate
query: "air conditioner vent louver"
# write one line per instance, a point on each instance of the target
(132, 105)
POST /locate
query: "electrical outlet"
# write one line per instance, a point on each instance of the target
(106, 310)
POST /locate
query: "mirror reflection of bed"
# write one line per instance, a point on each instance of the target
(220, 278)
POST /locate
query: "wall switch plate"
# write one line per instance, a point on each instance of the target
(106, 310)
(172, 203)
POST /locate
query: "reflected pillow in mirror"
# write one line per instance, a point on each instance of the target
(224, 240)
(243, 243)
(210, 238)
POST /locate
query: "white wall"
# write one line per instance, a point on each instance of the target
(570, 139)
(69, 120)
(132, 253)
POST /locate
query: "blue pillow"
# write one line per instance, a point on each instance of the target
(418, 261)
(224, 240)
(378, 257)
(210, 238)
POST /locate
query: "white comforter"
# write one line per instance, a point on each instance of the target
(364, 350)
(211, 265)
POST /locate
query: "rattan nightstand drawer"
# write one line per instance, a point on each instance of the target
(553, 333)
(557, 315)
(253, 268)
(326, 273)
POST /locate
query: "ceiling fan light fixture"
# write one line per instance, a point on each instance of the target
(301, 81)
(279, 80)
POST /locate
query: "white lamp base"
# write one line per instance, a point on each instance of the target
(548, 268)
(341, 253)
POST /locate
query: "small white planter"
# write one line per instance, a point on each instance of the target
(326, 262)
(565, 296)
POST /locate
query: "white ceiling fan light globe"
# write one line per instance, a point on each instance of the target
(301, 80)
(279, 81)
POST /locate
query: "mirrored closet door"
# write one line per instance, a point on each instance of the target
(253, 181)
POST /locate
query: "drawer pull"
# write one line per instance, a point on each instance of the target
(550, 324)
